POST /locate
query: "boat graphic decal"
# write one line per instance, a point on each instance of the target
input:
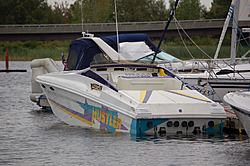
(107, 118)
(145, 96)
(189, 96)
(96, 87)
(218, 127)
(86, 117)
(140, 125)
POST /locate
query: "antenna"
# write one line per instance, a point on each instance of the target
(81, 16)
(165, 30)
(118, 46)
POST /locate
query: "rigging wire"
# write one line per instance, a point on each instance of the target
(192, 40)
(240, 34)
(182, 38)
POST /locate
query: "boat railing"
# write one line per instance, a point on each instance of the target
(213, 66)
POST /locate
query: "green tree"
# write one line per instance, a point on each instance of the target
(219, 9)
(32, 12)
(27, 11)
(157, 10)
(188, 9)
(91, 11)
(6, 12)
(138, 11)
(60, 13)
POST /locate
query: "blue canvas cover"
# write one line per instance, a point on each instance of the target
(82, 51)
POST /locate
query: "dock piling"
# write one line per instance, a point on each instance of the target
(7, 59)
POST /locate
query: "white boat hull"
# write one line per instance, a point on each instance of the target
(224, 86)
(173, 112)
(88, 113)
(239, 101)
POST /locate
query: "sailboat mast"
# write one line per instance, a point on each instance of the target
(229, 15)
(234, 33)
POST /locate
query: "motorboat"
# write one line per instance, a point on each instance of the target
(114, 94)
(239, 101)
(130, 98)
(133, 47)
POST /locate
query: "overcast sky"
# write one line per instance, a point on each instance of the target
(207, 3)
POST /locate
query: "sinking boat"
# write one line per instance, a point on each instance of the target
(124, 96)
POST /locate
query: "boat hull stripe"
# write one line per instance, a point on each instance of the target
(72, 113)
(145, 95)
(189, 96)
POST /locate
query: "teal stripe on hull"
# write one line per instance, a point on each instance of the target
(215, 129)
(140, 125)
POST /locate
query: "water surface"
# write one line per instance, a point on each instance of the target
(30, 136)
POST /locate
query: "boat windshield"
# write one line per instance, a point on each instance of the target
(123, 62)
(100, 57)
(161, 57)
(168, 57)
(150, 58)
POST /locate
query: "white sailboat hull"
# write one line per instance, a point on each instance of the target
(239, 101)
(224, 86)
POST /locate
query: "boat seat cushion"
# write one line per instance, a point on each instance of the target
(149, 83)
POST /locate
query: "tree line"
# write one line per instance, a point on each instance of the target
(102, 11)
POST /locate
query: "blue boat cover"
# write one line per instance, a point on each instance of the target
(82, 51)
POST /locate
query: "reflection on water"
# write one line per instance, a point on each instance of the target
(30, 136)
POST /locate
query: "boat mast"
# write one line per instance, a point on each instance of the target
(118, 46)
(229, 15)
(165, 30)
(234, 33)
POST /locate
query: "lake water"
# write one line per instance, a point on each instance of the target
(30, 136)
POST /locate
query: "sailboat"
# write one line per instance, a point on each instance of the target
(223, 75)
(238, 74)
(239, 101)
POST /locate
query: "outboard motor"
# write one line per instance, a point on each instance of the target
(197, 130)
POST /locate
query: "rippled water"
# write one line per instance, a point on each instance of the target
(30, 136)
